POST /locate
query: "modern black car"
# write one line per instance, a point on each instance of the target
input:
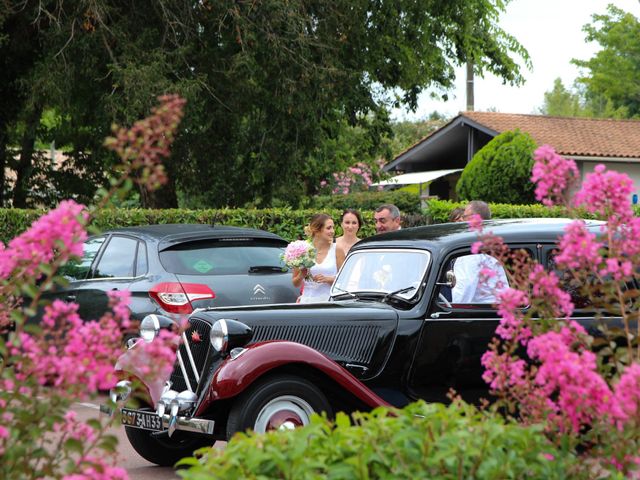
(393, 332)
(175, 268)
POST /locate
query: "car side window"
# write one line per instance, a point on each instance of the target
(79, 269)
(568, 283)
(471, 289)
(118, 259)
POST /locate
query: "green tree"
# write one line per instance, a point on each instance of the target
(271, 85)
(611, 76)
(407, 133)
(561, 102)
(500, 172)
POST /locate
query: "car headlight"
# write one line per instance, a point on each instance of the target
(219, 336)
(149, 327)
(227, 334)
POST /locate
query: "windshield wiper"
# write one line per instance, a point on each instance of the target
(344, 292)
(266, 268)
(397, 292)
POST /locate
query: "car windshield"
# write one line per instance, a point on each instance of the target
(383, 271)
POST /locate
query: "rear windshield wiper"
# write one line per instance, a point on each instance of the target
(267, 268)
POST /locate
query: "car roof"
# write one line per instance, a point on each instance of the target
(173, 233)
(458, 234)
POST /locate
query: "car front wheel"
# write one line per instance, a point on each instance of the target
(277, 403)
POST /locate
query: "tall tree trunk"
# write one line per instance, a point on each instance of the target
(164, 197)
(25, 163)
(3, 165)
(470, 99)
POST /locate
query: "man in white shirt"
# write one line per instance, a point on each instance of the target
(471, 286)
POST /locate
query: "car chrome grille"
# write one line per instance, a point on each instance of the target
(353, 343)
(193, 353)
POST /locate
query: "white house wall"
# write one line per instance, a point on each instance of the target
(631, 169)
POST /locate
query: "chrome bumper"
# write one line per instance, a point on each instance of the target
(185, 424)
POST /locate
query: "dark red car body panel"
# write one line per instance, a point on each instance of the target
(234, 376)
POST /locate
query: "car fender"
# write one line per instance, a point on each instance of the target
(235, 375)
(132, 364)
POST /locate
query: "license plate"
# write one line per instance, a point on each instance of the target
(141, 419)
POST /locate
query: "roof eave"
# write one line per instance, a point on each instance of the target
(459, 121)
(589, 158)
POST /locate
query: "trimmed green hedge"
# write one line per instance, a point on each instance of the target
(283, 221)
(408, 203)
(423, 441)
(437, 211)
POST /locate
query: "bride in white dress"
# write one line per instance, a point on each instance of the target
(328, 261)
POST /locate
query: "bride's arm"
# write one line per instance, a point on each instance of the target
(298, 276)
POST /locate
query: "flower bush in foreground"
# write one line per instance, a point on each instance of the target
(46, 366)
(421, 441)
(546, 369)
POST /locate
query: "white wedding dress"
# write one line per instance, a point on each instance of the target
(314, 292)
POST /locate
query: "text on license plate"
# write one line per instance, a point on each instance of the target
(141, 419)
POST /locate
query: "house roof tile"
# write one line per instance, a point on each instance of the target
(588, 137)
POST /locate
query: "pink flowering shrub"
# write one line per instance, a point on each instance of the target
(44, 368)
(356, 178)
(584, 389)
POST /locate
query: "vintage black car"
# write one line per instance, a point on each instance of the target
(399, 327)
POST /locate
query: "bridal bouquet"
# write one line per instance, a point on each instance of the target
(299, 254)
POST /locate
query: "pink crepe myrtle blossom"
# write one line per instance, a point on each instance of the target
(510, 303)
(70, 363)
(546, 287)
(68, 358)
(355, 178)
(579, 248)
(553, 175)
(626, 404)
(119, 302)
(503, 371)
(58, 234)
(607, 193)
(475, 223)
(569, 375)
(143, 146)
(71, 427)
(617, 269)
(152, 360)
(92, 468)
(626, 241)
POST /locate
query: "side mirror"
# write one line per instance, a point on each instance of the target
(450, 279)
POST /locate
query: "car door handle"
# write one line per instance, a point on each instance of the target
(355, 365)
(70, 298)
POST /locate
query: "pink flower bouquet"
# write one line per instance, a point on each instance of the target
(299, 254)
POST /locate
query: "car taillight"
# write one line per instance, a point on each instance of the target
(176, 297)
